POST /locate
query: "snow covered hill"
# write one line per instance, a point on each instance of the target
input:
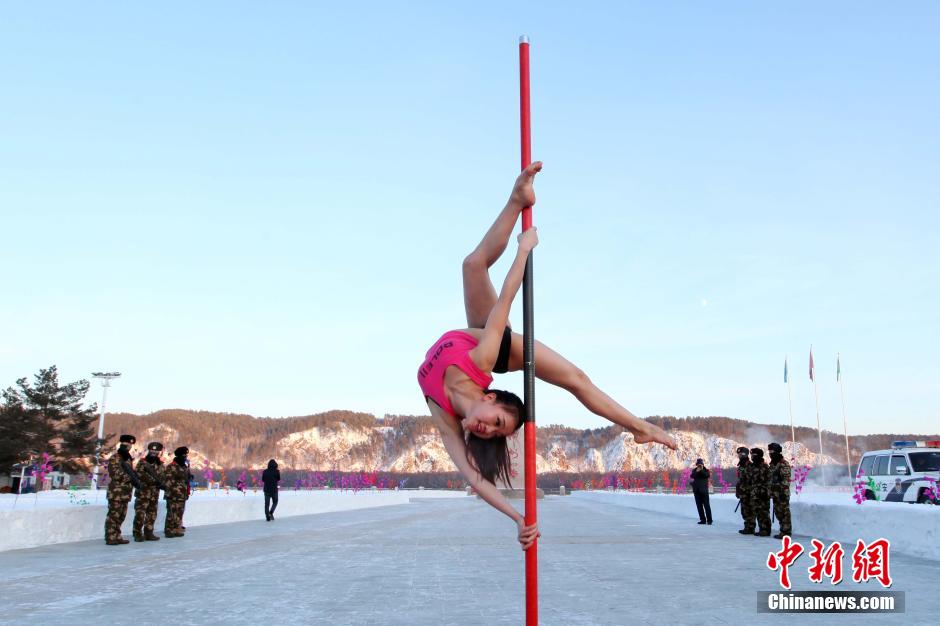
(348, 447)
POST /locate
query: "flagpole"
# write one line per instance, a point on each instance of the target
(812, 376)
(790, 404)
(845, 425)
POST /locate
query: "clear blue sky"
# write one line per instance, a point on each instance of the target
(263, 208)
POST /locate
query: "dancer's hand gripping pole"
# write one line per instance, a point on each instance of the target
(528, 330)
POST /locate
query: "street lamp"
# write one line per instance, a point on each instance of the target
(106, 378)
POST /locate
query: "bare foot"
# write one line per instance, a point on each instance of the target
(651, 433)
(523, 194)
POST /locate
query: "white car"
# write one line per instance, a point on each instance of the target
(908, 472)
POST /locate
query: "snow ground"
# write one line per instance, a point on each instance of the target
(913, 529)
(57, 517)
(433, 561)
(61, 498)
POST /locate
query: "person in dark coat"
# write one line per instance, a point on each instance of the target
(176, 492)
(742, 491)
(780, 489)
(758, 481)
(147, 497)
(123, 481)
(699, 477)
(270, 477)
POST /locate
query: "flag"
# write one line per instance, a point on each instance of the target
(784, 369)
(838, 368)
(811, 374)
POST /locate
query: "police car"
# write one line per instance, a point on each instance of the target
(903, 473)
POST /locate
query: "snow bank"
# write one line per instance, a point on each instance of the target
(56, 518)
(913, 529)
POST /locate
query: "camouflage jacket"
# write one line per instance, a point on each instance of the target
(740, 489)
(122, 478)
(780, 479)
(151, 479)
(176, 478)
(758, 481)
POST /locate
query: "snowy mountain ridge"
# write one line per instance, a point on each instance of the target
(348, 447)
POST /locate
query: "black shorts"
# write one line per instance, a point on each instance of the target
(502, 359)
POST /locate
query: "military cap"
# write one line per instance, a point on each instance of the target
(155, 446)
(128, 439)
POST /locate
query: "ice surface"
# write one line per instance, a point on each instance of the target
(434, 561)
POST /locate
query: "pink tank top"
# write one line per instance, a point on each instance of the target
(453, 348)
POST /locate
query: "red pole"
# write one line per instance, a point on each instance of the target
(525, 125)
(528, 330)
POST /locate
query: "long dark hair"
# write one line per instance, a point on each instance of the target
(491, 456)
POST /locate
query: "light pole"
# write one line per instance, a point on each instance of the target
(106, 378)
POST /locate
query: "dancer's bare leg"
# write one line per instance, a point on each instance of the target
(479, 294)
(559, 371)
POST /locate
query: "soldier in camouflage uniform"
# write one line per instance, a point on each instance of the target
(176, 492)
(743, 493)
(759, 485)
(150, 471)
(780, 489)
(122, 477)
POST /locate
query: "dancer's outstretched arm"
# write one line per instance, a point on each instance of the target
(487, 351)
(457, 449)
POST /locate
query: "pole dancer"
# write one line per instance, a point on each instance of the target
(455, 376)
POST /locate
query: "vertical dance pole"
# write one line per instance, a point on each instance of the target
(528, 331)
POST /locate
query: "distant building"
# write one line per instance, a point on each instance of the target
(57, 480)
(21, 470)
(27, 475)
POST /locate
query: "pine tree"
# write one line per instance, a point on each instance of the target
(18, 430)
(47, 417)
